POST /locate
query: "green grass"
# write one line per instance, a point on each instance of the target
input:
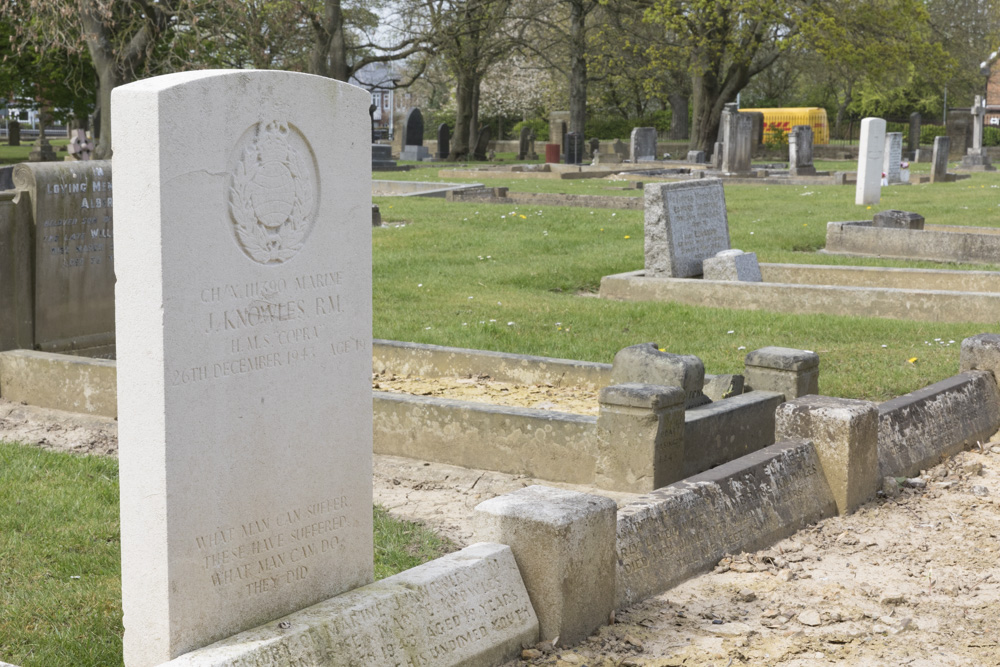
(15, 154)
(529, 264)
(60, 586)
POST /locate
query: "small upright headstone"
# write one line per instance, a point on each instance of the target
(643, 144)
(717, 151)
(758, 128)
(892, 157)
(244, 312)
(483, 143)
(939, 159)
(737, 140)
(696, 157)
(685, 223)
(573, 153)
(444, 141)
(800, 151)
(913, 140)
(413, 137)
(620, 149)
(959, 131)
(870, 152)
(526, 145)
(14, 133)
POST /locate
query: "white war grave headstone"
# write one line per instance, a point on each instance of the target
(243, 303)
(870, 151)
(685, 224)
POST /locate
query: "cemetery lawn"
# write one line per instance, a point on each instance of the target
(520, 278)
(15, 154)
(60, 565)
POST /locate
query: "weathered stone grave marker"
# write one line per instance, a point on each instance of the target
(244, 352)
(872, 147)
(892, 157)
(14, 133)
(685, 224)
(483, 142)
(800, 151)
(642, 144)
(976, 157)
(526, 144)
(939, 159)
(73, 277)
(737, 140)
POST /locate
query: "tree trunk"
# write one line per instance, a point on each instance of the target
(679, 111)
(329, 53)
(578, 66)
(464, 94)
(107, 80)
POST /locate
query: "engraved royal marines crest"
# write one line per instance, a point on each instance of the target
(273, 192)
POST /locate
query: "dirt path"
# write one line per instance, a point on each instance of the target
(912, 580)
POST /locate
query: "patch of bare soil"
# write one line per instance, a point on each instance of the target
(911, 580)
(483, 389)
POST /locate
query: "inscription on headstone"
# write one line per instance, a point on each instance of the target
(685, 224)
(870, 152)
(71, 204)
(244, 352)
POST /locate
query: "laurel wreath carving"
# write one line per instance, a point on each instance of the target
(289, 237)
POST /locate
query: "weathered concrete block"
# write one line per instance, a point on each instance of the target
(696, 157)
(640, 437)
(59, 381)
(750, 503)
(784, 370)
(845, 432)
(647, 364)
(917, 429)
(564, 545)
(981, 353)
(723, 431)
(718, 387)
(894, 219)
(467, 608)
(732, 265)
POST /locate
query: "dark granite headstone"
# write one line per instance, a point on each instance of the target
(913, 141)
(444, 142)
(14, 133)
(573, 152)
(483, 142)
(413, 134)
(939, 167)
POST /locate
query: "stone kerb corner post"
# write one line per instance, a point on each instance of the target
(564, 545)
(640, 434)
(783, 370)
(981, 353)
(845, 434)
